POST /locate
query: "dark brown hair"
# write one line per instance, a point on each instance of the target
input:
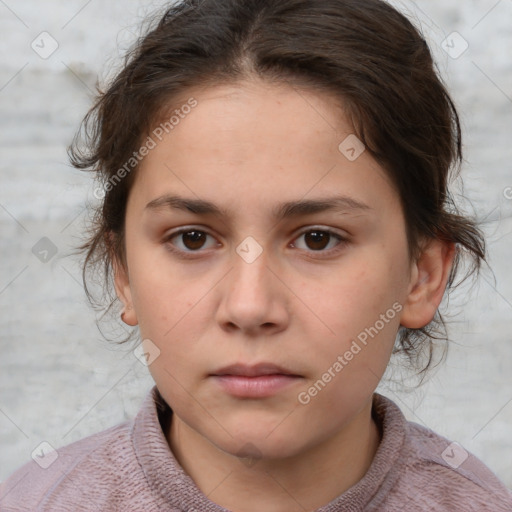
(363, 52)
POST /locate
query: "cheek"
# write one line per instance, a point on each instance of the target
(160, 292)
(164, 307)
(170, 307)
(360, 305)
(357, 293)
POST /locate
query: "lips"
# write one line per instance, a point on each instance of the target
(256, 370)
(258, 381)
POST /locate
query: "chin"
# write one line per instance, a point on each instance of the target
(257, 447)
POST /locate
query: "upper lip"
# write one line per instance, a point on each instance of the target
(254, 370)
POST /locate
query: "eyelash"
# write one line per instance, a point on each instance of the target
(343, 241)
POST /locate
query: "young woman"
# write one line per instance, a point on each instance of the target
(275, 220)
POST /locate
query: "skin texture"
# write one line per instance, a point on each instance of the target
(248, 147)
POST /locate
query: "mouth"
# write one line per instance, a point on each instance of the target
(256, 381)
(257, 370)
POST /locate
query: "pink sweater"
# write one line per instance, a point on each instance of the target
(130, 467)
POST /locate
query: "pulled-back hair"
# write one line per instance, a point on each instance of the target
(366, 53)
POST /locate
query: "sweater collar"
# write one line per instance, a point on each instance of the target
(174, 488)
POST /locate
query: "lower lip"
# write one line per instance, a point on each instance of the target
(255, 387)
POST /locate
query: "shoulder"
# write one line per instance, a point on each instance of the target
(92, 462)
(438, 474)
(454, 472)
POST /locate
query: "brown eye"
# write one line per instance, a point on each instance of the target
(320, 240)
(190, 240)
(193, 239)
(317, 240)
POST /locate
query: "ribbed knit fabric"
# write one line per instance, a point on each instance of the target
(130, 467)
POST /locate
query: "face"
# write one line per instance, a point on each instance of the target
(298, 260)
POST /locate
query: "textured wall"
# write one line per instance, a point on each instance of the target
(60, 381)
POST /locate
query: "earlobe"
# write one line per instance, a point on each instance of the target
(123, 291)
(429, 277)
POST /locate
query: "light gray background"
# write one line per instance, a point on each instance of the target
(60, 381)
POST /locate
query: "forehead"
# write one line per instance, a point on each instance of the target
(256, 115)
(270, 140)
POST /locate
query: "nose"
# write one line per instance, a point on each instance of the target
(254, 299)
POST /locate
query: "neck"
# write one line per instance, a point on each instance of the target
(305, 481)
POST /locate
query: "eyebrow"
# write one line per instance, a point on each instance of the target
(340, 204)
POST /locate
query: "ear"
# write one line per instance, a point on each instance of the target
(429, 276)
(124, 293)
